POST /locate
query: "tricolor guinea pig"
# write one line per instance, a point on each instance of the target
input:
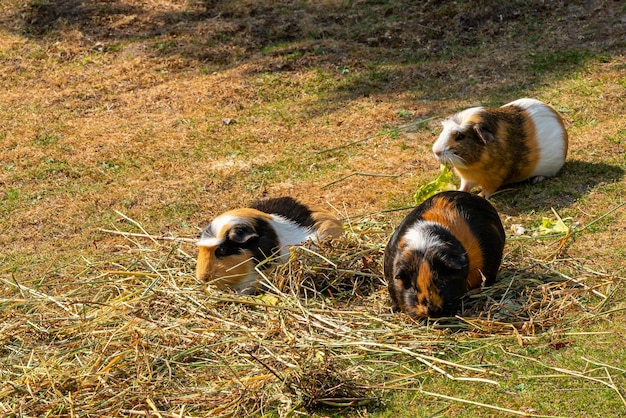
(237, 241)
(491, 147)
(451, 243)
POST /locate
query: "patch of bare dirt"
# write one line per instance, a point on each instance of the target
(241, 29)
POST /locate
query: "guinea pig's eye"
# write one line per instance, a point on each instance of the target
(460, 136)
(220, 251)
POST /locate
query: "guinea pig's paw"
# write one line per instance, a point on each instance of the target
(486, 194)
(537, 179)
(248, 291)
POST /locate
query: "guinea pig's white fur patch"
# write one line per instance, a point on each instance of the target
(550, 135)
(456, 123)
(209, 242)
(420, 236)
(458, 119)
(290, 233)
(213, 235)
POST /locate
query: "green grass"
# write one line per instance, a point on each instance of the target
(562, 60)
(560, 373)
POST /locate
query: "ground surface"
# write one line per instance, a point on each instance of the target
(165, 113)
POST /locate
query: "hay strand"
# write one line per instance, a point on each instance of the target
(484, 405)
(146, 235)
(141, 336)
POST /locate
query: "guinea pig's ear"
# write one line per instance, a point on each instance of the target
(483, 133)
(451, 261)
(242, 233)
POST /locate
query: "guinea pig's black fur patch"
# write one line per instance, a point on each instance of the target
(259, 239)
(287, 207)
(449, 265)
(451, 243)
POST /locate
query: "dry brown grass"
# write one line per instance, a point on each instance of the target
(137, 335)
(159, 115)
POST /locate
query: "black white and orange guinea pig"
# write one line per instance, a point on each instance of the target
(448, 245)
(237, 241)
(492, 147)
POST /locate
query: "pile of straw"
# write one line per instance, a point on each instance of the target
(138, 335)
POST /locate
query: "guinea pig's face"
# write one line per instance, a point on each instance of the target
(429, 284)
(226, 254)
(462, 142)
(215, 267)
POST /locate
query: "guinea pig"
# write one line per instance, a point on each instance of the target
(237, 241)
(451, 243)
(491, 147)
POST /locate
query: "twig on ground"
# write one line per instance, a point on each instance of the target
(146, 235)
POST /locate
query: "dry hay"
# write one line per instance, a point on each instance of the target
(138, 335)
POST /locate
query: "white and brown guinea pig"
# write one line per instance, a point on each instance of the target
(451, 243)
(235, 242)
(491, 147)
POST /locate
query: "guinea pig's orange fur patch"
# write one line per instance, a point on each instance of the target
(428, 290)
(445, 213)
(245, 214)
(420, 311)
(492, 172)
(486, 172)
(326, 225)
(532, 144)
(229, 271)
(203, 263)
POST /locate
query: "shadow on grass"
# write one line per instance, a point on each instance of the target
(523, 298)
(434, 50)
(574, 181)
